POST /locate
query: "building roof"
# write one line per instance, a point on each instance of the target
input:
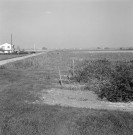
(5, 44)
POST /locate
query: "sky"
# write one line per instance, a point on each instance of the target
(67, 23)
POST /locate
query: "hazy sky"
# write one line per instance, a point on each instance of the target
(67, 23)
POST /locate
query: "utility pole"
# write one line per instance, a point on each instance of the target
(11, 39)
(11, 44)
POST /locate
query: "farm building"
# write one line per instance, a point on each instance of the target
(7, 48)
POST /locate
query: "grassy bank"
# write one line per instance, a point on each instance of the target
(20, 84)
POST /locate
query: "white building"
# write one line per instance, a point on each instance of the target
(7, 48)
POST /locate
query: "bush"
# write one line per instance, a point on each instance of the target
(87, 70)
(121, 83)
(113, 81)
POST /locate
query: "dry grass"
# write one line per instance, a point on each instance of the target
(19, 82)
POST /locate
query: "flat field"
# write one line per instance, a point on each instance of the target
(9, 56)
(22, 82)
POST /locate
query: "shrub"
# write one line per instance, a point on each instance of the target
(87, 70)
(121, 83)
(113, 81)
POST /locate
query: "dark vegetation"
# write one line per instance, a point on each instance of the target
(20, 83)
(110, 80)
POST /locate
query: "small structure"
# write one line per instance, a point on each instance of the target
(7, 48)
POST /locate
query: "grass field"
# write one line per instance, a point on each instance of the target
(9, 56)
(21, 81)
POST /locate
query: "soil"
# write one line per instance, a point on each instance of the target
(80, 99)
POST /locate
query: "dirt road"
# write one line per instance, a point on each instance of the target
(18, 58)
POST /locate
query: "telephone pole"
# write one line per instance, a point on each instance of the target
(11, 39)
(11, 45)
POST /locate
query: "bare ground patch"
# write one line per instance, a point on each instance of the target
(79, 99)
